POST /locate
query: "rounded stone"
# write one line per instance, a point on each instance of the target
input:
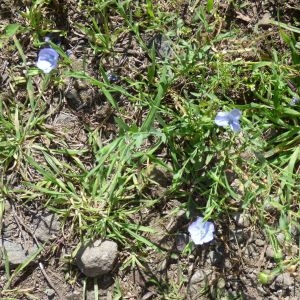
(270, 253)
(46, 226)
(280, 238)
(284, 280)
(198, 282)
(215, 258)
(242, 220)
(15, 252)
(50, 293)
(198, 276)
(259, 242)
(221, 283)
(97, 258)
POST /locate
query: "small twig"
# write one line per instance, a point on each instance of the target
(27, 228)
(261, 258)
(49, 281)
(20, 225)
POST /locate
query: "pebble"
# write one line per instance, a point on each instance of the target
(228, 264)
(261, 290)
(284, 280)
(250, 250)
(221, 283)
(46, 226)
(50, 293)
(76, 295)
(15, 252)
(90, 295)
(198, 282)
(279, 293)
(97, 258)
(161, 44)
(148, 296)
(270, 253)
(259, 242)
(7, 206)
(280, 238)
(252, 276)
(182, 240)
(215, 258)
(295, 231)
(242, 220)
(198, 276)
(237, 186)
(238, 235)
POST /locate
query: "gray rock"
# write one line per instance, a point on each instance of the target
(270, 253)
(162, 45)
(7, 206)
(198, 283)
(198, 276)
(238, 187)
(259, 242)
(239, 236)
(182, 240)
(242, 220)
(228, 264)
(90, 295)
(46, 227)
(50, 293)
(97, 258)
(284, 280)
(280, 238)
(294, 250)
(215, 257)
(148, 295)
(76, 295)
(15, 252)
(102, 295)
(279, 293)
(261, 291)
(221, 283)
(251, 274)
(295, 230)
(250, 250)
(273, 297)
(11, 229)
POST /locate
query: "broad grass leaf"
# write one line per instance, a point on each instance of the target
(11, 29)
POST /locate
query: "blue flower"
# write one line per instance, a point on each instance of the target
(47, 60)
(201, 231)
(229, 118)
(294, 101)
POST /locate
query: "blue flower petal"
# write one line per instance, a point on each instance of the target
(294, 101)
(235, 126)
(209, 229)
(222, 119)
(47, 60)
(235, 114)
(201, 231)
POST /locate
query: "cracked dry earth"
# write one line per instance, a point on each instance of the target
(227, 268)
